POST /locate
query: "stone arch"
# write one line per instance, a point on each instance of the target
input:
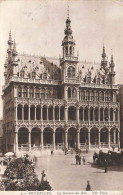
(72, 138)
(59, 136)
(91, 114)
(44, 112)
(62, 113)
(114, 135)
(56, 112)
(96, 114)
(94, 136)
(19, 112)
(50, 112)
(101, 114)
(23, 137)
(102, 96)
(81, 113)
(72, 113)
(36, 136)
(104, 135)
(83, 136)
(111, 114)
(86, 113)
(26, 110)
(106, 114)
(32, 112)
(38, 112)
(48, 137)
(71, 72)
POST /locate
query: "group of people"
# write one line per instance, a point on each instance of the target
(78, 159)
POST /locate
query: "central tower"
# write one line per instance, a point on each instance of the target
(68, 61)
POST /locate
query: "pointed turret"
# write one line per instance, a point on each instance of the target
(14, 55)
(112, 72)
(9, 50)
(104, 60)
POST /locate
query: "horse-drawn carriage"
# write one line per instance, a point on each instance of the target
(112, 158)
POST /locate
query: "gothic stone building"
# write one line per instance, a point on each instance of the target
(51, 103)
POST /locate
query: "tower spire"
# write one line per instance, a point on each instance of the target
(68, 9)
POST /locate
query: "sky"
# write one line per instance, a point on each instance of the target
(38, 29)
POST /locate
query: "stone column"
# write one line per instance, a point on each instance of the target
(29, 141)
(114, 141)
(41, 112)
(16, 142)
(77, 114)
(83, 113)
(89, 139)
(99, 114)
(42, 140)
(53, 113)
(16, 117)
(35, 114)
(29, 113)
(109, 141)
(66, 139)
(47, 113)
(118, 140)
(54, 145)
(23, 112)
(99, 139)
(59, 113)
(78, 140)
(103, 114)
(66, 114)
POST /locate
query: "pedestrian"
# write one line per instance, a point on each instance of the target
(79, 159)
(42, 175)
(51, 151)
(106, 166)
(83, 160)
(88, 187)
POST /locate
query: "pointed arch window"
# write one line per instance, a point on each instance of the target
(19, 91)
(71, 72)
(25, 92)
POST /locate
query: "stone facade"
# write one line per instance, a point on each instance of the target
(56, 104)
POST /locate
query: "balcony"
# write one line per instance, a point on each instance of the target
(102, 86)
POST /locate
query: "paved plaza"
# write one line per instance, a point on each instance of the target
(64, 174)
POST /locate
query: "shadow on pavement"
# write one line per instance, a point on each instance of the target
(110, 168)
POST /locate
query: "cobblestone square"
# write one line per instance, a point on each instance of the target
(63, 173)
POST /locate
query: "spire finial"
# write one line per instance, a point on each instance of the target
(68, 9)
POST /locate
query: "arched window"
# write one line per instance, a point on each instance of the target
(71, 72)
(42, 93)
(70, 50)
(92, 96)
(25, 92)
(106, 114)
(111, 114)
(96, 96)
(87, 95)
(91, 114)
(31, 92)
(66, 50)
(86, 114)
(37, 92)
(106, 96)
(98, 80)
(74, 93)
(69, 92)
(19, 91)
(101, 96)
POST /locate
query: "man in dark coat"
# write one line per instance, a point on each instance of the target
(106, 165)
(88, 187)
